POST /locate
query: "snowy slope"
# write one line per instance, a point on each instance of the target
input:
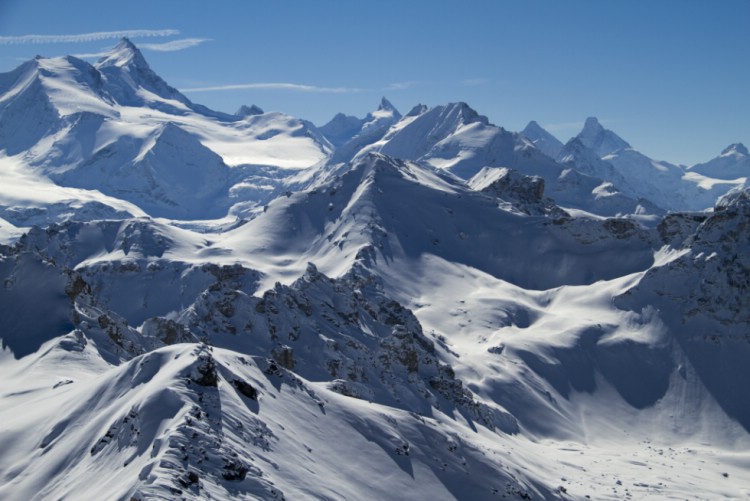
(168, 174)
(192, 422)
(401, 210)
(28, 198)
(322, 359)
(8, 232)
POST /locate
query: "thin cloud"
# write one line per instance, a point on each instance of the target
(84, 37)
(174, 45)
(275, 86)
(474, 82)
(400, 85)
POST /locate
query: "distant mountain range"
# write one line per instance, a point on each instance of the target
(200, 305)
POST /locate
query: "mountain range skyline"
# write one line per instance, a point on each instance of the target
(76, 103)
(517, 62)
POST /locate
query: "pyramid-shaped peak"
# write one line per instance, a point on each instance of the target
(386, 105)
(602, 141)
(542, 139)
(386, 110)
(735, 149)
(533, 130)
(592, 124)
(466, 113)
(124, 54)
(126, 44)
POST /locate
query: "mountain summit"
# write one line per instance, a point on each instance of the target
(732, 163)
(602, 141)
(350, 134)
(387, 107)
(542, 139)
(735, 149)
(132, 82)
(124, 55)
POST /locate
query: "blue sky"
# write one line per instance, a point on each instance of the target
(669, 76)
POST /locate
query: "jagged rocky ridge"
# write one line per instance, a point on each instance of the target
(344, 333)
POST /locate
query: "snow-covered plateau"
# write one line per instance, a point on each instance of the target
(202, 305)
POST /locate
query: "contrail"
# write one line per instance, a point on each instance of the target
(84, 37)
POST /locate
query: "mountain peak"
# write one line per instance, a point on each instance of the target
(602, 141)
(542, 139)
(592, 125)
(533, 125)
(124, 54)
(386, 110)
(247, 111)
(126, 44)
(126, 73)
(386, 105)
(735, 149)
(467, 113)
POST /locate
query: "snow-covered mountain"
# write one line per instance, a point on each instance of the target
(733, 163)
(118, 128)
(657, 181)
(601, 153)
(351, 134)
(456, 138)
(197, 305)
(601, 141)
(128, 80)
(543, 140)
(342, 128)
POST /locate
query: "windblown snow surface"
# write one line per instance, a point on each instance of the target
(197, 305)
